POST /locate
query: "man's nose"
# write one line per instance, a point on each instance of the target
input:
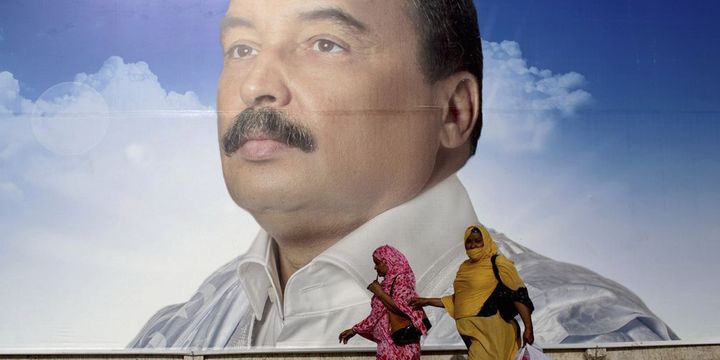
(266, 83)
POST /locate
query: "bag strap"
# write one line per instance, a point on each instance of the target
(392, 289)
(495, 270)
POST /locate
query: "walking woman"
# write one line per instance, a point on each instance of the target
(391, 296)
(483, 307)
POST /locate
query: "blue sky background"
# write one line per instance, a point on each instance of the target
(617, 166)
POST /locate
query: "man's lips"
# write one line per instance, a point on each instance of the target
(261, 146)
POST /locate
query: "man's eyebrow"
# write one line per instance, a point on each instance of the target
(335, 14)
(234, 22)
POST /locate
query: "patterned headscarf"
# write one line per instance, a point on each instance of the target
(404, 288)
(395, 261)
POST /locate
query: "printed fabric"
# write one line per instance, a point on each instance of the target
(399, 280)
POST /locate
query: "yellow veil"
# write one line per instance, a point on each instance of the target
(475, 280)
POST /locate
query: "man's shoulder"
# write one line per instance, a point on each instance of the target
(576, 304)
(203, 321)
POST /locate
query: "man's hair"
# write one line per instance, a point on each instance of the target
(449, 41)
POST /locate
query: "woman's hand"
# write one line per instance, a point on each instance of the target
(528, 336)
(346, 335)
(375, 287)
(524, 311)
(420, 302)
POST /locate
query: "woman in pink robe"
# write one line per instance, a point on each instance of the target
(393, 294)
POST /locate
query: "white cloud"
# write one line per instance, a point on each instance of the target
(7, 150)
(132, 87)
(10, 191)
(70, 118)
(148, 202)
(137, 154)
(523, 104)
(9, 93)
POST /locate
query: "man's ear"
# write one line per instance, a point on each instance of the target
(461, 96)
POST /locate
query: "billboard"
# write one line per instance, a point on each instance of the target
(218, 174)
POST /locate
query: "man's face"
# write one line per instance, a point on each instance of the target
(346, 72)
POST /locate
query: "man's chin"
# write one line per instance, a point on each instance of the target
(266, 198)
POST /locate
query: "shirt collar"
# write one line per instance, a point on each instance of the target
(258, 273)
(424, 229)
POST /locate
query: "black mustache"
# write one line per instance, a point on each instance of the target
(269, 122)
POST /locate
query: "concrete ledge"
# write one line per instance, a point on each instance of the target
(618, 351)
(640, 352)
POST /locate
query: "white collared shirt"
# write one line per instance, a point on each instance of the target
(329, 294)
(239, 305)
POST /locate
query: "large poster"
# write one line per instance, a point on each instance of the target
(218, 174)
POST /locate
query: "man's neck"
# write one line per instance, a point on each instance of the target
(290, 259)
(299, 244)
(302, 236)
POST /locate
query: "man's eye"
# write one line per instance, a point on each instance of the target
(242, 52)
(327, 46)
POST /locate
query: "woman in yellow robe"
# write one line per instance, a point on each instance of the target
(478, 297)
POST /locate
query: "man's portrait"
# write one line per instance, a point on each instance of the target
(218, 175)
(341, 125)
